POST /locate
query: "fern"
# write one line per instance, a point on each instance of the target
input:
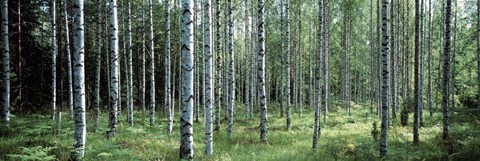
(33, 153)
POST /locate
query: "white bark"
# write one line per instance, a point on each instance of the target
(208, 36)
(114, 55)
(261, 71)
(168, 96)
(318, 78)
(446, 70)
(53, 66)
(129, 66)
(79, 81)
(152, 67)
(288, 66)
(385, 75)
(69, 59)
(186, 119)
(232, 69)
(218, 69)
(6, 63)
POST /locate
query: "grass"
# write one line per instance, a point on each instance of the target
(342, 137)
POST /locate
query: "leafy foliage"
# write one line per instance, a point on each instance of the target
(37, 153)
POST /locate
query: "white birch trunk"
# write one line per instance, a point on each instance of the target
(168, 96)
(129, 66)
(186, 119)
(232, 69)
(114, 55)
(79, 104)
(69, 59)
(318, 79)
(53, 66)
(208, 35)
(218, 89)
(152, 67)
(288, 67)
(446, 70)
(261, 71)
(6, 63)
(385, 75)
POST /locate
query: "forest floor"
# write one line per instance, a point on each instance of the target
(343, 137)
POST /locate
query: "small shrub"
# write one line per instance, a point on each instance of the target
(375, 131)
(407, 107)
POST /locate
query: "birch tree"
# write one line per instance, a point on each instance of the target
(152, 66)
(287, 63)
(218, 63)
(232, 69)
(80, 133)
(261, 71)
(385, 74)
(478, 53)
(69, 59)
(168, 96)
(446, 69)
(416, 74)
(207, 38)
(6, 63)
(327, 59)
(53, 87)
(186, 119)
(429, 66)
(142, 62)
(96, 101)
(129, 66)
(318, 78)
(114, 54)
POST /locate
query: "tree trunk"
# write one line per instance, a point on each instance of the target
(208, 77)
(246, 83)
(316, 127)
(327, 59)
(261, 71)
(446, 69)
(289, 67)
(142, 59)
(422, 51)
(152, 67)
(53, 66)
(372, 76)
(114, 54)
(417, 95)
(79, 81)
(385, 75)
(6, 63)
(186, 119)
(69, 59)
(218, 89)
(129, 66)
(96, 101)
(430, 31)
(453, 56)
(478, 53)
(168, 96)
(232, 69)
(393, 53)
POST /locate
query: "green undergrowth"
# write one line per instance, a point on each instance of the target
(343, 137)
